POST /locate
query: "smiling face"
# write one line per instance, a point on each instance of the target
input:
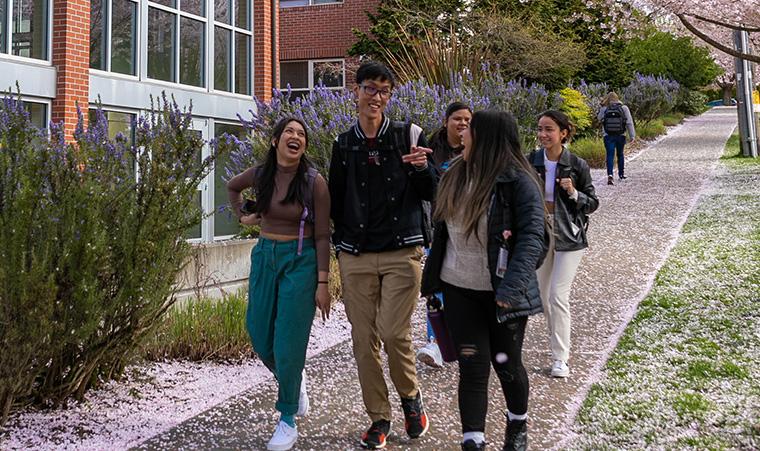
(549, 133)
(372, 96)
(456, 124)
(291, 144)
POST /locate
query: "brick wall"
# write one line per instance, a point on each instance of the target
(323, 31)
(263, 72)
(71, 58)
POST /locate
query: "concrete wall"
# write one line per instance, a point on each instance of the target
(220, 267)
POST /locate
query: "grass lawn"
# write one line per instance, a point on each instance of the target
(686, 372)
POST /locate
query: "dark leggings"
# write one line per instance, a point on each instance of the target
(482, 342)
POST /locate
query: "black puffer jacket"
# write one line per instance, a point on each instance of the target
(516, 205)
(570, 216)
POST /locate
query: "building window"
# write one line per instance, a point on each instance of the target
(118, 122)
(120, 54)
(232, 46)
(225, 221)
(29, 28)
(37, 114)
(303, 76)
(176, 41)
(294, 3)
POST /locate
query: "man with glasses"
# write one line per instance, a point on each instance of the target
(381, 171)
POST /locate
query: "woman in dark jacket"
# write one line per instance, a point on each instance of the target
(570, 198)
(489, 238)
(446, 144)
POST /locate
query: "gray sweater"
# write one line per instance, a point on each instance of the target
(628, 121)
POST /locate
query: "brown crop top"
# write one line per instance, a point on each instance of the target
(284, 219)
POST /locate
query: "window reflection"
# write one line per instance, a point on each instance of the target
(29, 28)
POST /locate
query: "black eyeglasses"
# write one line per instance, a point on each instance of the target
(371, 91)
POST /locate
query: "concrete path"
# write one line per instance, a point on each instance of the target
(630, 236)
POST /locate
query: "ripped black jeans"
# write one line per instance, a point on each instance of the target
(482, 342)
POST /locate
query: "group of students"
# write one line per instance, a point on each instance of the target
(495, 213)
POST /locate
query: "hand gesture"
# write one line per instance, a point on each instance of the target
(323, 301)
(250, 220)
(417, 157)
(567, 184)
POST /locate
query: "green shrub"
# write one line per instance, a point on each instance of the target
(590, 149)
(651, 130)
(202, 329)
(88, 253)
(574, 105)
(690, 102)
(669, 120)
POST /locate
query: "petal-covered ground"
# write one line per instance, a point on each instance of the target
(192, 406)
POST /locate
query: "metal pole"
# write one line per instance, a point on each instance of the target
(747, 126)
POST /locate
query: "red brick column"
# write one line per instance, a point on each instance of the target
(263, 51)
(71, 58)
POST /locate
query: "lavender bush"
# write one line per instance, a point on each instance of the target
(593, 94)
(650, 97)
(88, 252)
(328, 113)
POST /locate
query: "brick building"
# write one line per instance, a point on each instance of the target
(314, 39)
(216, 54)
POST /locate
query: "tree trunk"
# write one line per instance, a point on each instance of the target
(727, 94)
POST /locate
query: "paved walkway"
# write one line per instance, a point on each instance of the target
(630, 236)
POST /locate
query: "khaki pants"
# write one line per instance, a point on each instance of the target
(555, 278)
(380, 291)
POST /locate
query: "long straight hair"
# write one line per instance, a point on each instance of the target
(265, 181)
(466, 187)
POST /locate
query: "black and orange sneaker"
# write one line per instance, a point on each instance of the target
(416, 420)
(375, 436)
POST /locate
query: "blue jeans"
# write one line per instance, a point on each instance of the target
(615, 144)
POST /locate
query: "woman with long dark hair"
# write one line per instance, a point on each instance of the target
(570, 198)
(289, 265)
(446, 144)
(489, 237)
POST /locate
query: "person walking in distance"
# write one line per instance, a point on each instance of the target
(616, 120)
(489, 238)
(377, 185)
(289, 265)
(570, 198)
(446, 144)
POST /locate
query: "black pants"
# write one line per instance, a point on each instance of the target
(482, 342)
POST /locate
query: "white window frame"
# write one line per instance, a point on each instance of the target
(310, 68)
(108, 6)
(311, 3)
(212, 179)
(232, 28)
(48, 108)
(6, 52)
(178, 14)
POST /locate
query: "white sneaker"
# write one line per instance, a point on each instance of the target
(303, 398)
(284, 437)
(430, 355)
(560, 369)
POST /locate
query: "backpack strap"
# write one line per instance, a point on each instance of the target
(308, 208)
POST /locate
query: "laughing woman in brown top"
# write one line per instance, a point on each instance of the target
(289, 265)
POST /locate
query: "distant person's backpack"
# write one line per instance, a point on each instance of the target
(614, 119)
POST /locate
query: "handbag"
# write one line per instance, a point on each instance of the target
(438, 322)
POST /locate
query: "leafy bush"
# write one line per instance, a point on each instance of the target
(574, 105)
(649, 97)
(590, 149)
(651, 129)
(88, 253)
(328, 113)
(672, 119)
(691, 102)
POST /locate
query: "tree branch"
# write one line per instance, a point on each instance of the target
(716, 44)
(724, 24)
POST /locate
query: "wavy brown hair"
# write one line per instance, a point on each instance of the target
(466, 187)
